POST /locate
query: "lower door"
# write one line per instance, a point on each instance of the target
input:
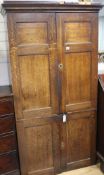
(39, 142)
(81, 141)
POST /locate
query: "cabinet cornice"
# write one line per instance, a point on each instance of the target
(48, 6)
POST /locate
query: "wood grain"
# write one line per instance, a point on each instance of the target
(53, 55)
(78, 77)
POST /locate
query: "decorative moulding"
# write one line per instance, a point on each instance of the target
(85, 2)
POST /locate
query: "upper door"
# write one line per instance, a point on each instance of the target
(77, 53)
(34, 64)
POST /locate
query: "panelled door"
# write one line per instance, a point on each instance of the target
(77, 57)
(35, 86)
(77, 53)
(34, 64)
(39, 145)
(80, 139)
(50, 77)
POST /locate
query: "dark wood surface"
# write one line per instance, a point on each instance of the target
(9, 162)
(17, 6)
(100, 121)
(54, 68)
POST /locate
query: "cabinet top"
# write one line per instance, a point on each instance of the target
(21, 6)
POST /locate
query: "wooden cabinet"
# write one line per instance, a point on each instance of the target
(100, 122)
(53, 55)
(9, 163)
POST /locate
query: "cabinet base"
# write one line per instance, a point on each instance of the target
(16, 172)
(80, 164)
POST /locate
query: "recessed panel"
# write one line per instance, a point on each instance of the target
(77, 32)
(78, 77)
(39, 147)
(31, 33)
(78, 139)
(35, 85)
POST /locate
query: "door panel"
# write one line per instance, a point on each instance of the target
(37, 85)
(77, 32)
(80, 139)
(41, 141)
(34, 64)
(77, 51)
(29, 33)
(78, 89)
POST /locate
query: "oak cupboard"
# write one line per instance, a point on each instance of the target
(53, 55)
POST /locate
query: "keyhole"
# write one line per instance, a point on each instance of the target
(60, 66)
